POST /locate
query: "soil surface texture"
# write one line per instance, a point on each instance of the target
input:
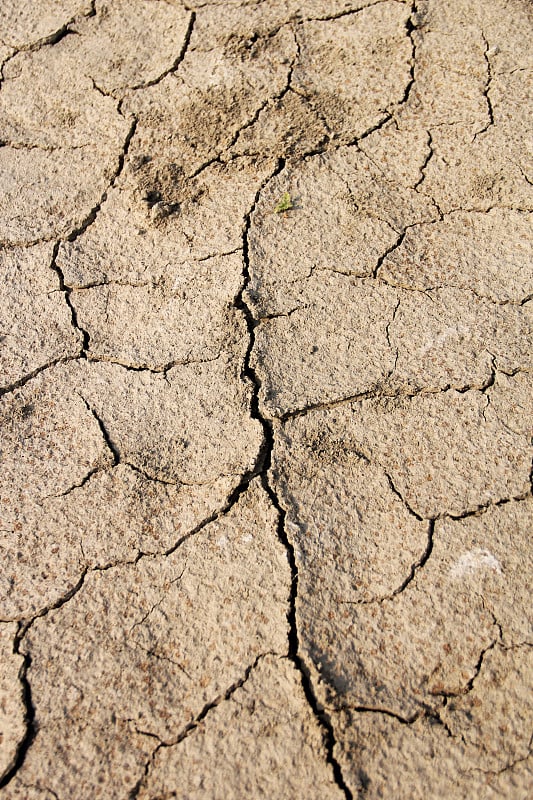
(266, 399)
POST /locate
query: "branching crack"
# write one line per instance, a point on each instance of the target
(225, 154)
(192, 726)
(249, 374)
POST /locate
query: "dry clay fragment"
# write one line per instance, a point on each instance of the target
(398, 655)
(494, 551)
(53, 443)
(350, 530)
(284, 127)
(12, 708)
(121, 246)
(346, 217)
(510, 399)
(354, 68)
(472, 75)
(74, 760)
(313, 356)
(117, 514)
(446, 453)
(142, 648)
(505, 25)
(380, 755)
(47, 101)
(399, 154)
(225, 18)
(490, 254)
(35, 323)
(24, 22)
(453, 338)
(181, 319)
(386, 340)
(493, 171)
(262, 741)
(51, 440)
(495, 717)
(450, 76)
(189, 425)
(68, 183)
(131, 43)
(128, 244)
(17, 790)
(65, 151)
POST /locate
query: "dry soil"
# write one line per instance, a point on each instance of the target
(266, 479)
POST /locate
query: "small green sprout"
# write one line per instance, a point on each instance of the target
(284, 204)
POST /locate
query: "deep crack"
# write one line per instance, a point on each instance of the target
(486, 89)
(264, 466)
(26, 741)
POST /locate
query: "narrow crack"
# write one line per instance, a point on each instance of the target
(511, 765)
(484, 507)
(103, 430)
(410, 27)
(225, 155)
(12, 387)
(222, 698)
(351, 12)
(384, 120)
(47, 41)
(377, 392)
(395, 350)
(426, 161)
(154, 369)
(192, 726)
(31, 728)
(249, 374)
(177, 61)
(93, 213)
(386, 712)
(399, 495)
(413, 571)
(391, 249)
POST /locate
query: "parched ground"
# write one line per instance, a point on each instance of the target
(266, 474)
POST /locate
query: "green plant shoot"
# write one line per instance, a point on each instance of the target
(284, 204)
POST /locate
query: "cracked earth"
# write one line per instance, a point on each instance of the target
(266, 477)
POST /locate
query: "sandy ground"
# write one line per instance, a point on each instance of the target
(266, 353)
